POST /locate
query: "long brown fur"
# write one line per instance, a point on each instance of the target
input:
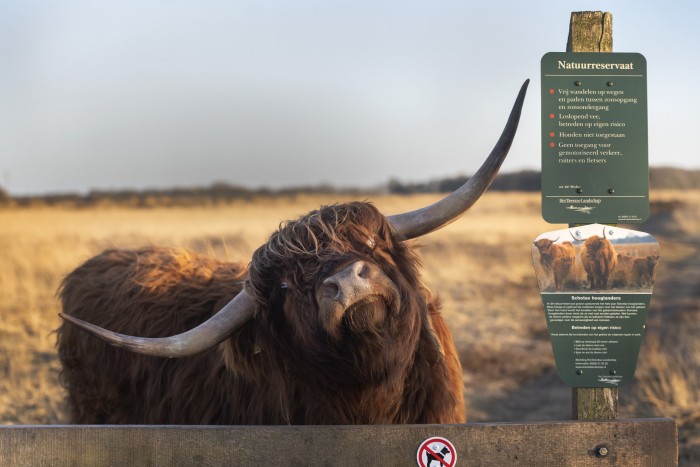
(550, 252)
(643, 271)
(561, 270)
(283, 367)
(599, 260)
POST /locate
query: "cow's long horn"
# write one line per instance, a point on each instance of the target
(217, 328)
(425, 220)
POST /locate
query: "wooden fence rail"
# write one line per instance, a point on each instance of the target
(629, 443)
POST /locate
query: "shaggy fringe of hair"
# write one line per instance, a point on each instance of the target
(306, 244)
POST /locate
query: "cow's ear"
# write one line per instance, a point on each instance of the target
(435, 339)
(441, 335)
(449, 355)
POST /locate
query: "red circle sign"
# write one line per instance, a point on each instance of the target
(436, 452)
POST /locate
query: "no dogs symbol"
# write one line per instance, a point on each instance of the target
(436, 452)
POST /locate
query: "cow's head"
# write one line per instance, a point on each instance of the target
(336, 288)
(543, 245)
(594, 242)
(338, 268)
(340, 273)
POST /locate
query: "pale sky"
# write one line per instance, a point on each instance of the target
(144, 94)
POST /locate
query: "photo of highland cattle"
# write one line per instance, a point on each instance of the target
(595, 258)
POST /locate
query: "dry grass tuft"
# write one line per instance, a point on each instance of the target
(668, 380)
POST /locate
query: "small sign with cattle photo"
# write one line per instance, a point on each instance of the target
(596, 283)
(595, 258)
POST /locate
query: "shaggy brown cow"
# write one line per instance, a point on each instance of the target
(599, 259)
(643, 271)
(550, 253)
(331, 325)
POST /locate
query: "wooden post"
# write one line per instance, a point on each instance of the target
(591, 31)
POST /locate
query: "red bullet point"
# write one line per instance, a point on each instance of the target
(551, 134)
(551, 91)
(551, 145)
(551, 115)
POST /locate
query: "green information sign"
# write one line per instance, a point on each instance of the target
(596, 283)
(596, 338)
(595, 165)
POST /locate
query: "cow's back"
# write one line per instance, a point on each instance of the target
(150, 292)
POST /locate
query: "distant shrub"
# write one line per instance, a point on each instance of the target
(224, 192)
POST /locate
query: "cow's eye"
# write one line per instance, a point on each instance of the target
(283, 285)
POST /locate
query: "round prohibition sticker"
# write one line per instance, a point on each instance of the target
(436, 452)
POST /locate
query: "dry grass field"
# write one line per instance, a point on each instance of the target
(480, 265)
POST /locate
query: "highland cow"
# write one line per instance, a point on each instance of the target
(599, 259)
(622, 274)
(643, 271)
(561, 270)
(330, 324)
(557, 259)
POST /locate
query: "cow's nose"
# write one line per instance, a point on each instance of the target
(348, 283)
(330, 289)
